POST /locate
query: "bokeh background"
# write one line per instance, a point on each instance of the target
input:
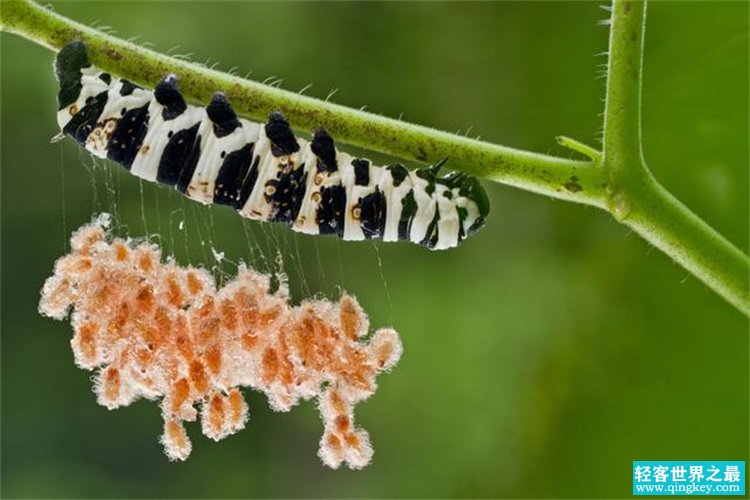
(541, 357)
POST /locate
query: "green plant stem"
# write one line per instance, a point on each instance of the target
(661, 219)
(634, 196)
(617, 180)
(535, 172)
(622, 112)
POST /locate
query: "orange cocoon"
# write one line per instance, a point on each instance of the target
(157, 330)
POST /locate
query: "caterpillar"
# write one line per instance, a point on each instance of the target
(171, 332)
(262, 171)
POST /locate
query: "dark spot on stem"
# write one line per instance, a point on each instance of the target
(113, 54)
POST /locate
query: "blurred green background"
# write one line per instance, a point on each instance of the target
(541, 357)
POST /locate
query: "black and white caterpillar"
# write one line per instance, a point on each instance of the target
(262, 171)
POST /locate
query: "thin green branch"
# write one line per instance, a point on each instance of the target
(535, 172)
(634, 196)
(593, 154)
(617, 180)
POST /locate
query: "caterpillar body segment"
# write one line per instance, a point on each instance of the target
(261, 170)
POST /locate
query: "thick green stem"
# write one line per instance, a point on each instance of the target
(617, 181)
(622, 114)
(670, 226)
(634, 196)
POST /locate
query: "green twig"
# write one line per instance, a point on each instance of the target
(593, 154)
(616, 180)
(535, 172)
